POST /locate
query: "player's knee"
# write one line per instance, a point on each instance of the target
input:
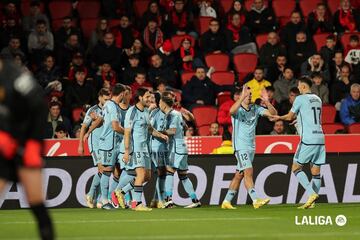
(183, 176)
(239, 175)
(296, 168)
(169, 173)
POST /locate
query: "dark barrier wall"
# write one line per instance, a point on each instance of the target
(66, 180)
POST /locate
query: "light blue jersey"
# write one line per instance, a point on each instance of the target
(93, 141)
(244, 126)
(157, 120)
(109, 139)
(308, 108)
(122, 146)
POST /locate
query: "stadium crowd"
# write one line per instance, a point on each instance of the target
(201, 50)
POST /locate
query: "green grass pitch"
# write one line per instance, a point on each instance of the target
(270, 222)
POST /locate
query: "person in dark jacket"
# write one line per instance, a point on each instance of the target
(315, 64)
(129, 72)
(341, 86)
(106, 51)
(63, 34)
(346, 19)
(288, 33)
(200, 90)
(124, 33)
(213, 40)
(270, 50)
(48, 73)
(68, 50)
(54, 119)
(319, 21)
(329, 49)
(277, 68)
(350, 106)
(157, 72)
(261, 19)
(153, 12)
(282, 86)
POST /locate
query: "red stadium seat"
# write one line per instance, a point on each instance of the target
(223, 97)
(60, 9)
(219, 61)
(283, 8)
(177, 39)
(245, 63)
(320, 40)
(307, 6)
(76, 114)
(178, 96)
(354, 128)
(114, 23)
(331, 128)
(140, 7)
(328, 114)
(88, 26)
(88, 9)
(261, 39)
(57, 23)
(203, 130)
(186, 76)
(204, 115)
(226, 5)
(345, 39)
(223, 78)
(203, 24)
(333, 5)
(25, 7)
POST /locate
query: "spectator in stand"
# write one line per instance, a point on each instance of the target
(226, 145)
(76, 131)
(282, 86)
(291, 29)
(40, 42)
(129, 72)
(61, 132)
(346, 19)
(124, 33)
(105, 77)
(352, 55)
(224, 117)
(261, 19)
(341, 86)
(29, 22)
(12, 49)
(303, 49)
(271, 50)
(79, 92)
(213, 40)
(21, 62)
(319, 88)
(206, 8)
(350, 106)
(285, 105)
(11, 29)
(167, 5)
(65, 32)
(279, 128)
(200, 90)
(180, 21)
(257, 84)
(214, 129)
(10, 11)
(106, 51)
(276, 69)
(319, 21)
(68, 50)
(237, 8)
(136, 49)
(153, 12)
(190, 131)
(335, 66)
(238, 37)
(328, 51)
(166, 52)
(157, 71)
(54, 119)
(97, 35)
(315, 64)
(140, 82)
(49, 75)
(189, 59)
(77, 62)
(153, 37)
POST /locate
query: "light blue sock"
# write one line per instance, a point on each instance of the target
(127, 197)
(138, 190)
(304, 181)
(169, 184)
(104, 183)
(316, 183)
(188, 186)
(162, 186)
(94, 185)
(128, 187)
(230, 195)
(125, 179)
(252, 193)
(113, 185)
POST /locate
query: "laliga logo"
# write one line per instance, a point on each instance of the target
(53, 149)
(271, 146)
(340, 220)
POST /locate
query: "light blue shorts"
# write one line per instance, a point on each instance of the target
(108, 158)
(159, 159)
(95, 157)
(244, 159)
(315, 154)
(139, 159)
(178, 161)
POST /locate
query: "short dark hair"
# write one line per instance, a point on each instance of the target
(54, 103)
(331, 37)
(35, 3)
(317, 75)
(270, 88)
(140, 73)
(40, 22)
(259, 68)
(295, 90)
(117, 89)
(140, 92)
(306, 80)
(168, 100)
(234, 92)
(354, 38)
(104, 92)
(168, 94)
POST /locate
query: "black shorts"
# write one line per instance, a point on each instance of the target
(9, 169)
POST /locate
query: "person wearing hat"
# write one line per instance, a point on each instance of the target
(166, 52)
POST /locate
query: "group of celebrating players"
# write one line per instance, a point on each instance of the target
(132, 143)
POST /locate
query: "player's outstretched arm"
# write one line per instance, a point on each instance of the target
(288, 117)
(244, 94)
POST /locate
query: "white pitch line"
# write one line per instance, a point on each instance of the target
(147, 220)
